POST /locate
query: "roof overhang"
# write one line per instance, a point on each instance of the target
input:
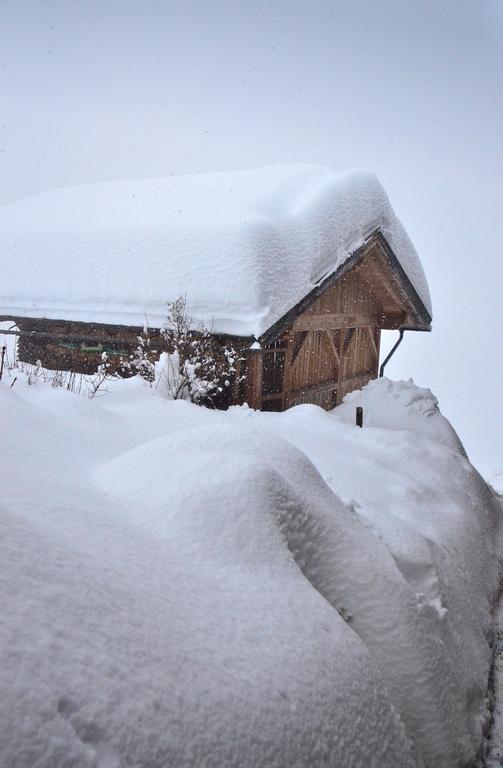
(376, 261)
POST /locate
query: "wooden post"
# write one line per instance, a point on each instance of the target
(359, 416)
(287, 373)
(4, 349)
(254, 379)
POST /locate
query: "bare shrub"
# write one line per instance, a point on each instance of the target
(78, 383)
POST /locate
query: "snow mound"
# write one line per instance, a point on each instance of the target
(243, 247)
(186, 587)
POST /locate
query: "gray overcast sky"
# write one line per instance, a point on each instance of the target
(412, 90)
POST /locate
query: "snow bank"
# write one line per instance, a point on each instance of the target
(495, 478)
(408, 478)
(186, 587)
(244, 247)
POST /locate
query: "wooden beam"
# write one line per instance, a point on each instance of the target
(254, 379)
(287, 373)
(358, 377)
(372, 340)
(330, 322)
(296, 347)
(377, 276)
(347, 339)
(380, 271)
(328, 386)
(332, 345)
(392, 321)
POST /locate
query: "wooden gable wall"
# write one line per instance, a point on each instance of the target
(329, 349)
(328, 344)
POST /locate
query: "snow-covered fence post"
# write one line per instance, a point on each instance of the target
(359, 416)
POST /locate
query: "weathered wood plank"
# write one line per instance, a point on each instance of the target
(254, 379)
(392, 321)
(357, 377)
(328, 321)
(287, 375)
(317, 389)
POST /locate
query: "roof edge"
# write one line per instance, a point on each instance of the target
(375, 238)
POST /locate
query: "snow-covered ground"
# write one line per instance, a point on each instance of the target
(185, 587)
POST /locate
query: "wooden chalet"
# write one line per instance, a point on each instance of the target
(320, 348)
(328, 344)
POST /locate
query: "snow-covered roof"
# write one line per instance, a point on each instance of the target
(242, 246)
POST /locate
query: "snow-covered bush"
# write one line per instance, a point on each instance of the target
(141, 362)
(103, 374)
(141, 359)
(197, 367)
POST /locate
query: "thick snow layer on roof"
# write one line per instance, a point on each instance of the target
(185, 587)
(243, 247)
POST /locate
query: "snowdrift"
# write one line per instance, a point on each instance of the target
(242, 246)
(184, 587)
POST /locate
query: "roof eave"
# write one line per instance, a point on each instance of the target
(420, 315)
